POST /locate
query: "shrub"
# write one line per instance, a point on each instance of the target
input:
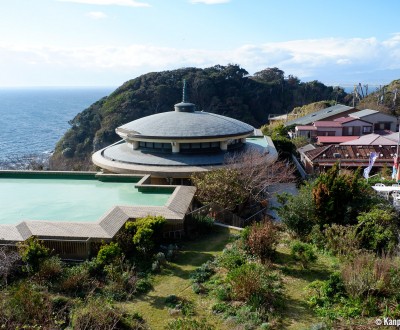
(25, 305)
(342, 240)
(298, 211)
(203, 223)
(262, 240)
(231, 258)
(186, 307)
(50, 269)
(303, 252)
(253, 279)
(98, 313)
(155, 266)
(108, 253)
(322, 295)
(189, 324)
(160, 257)
(203, 273)
(33, 252)
(121, 281)
(77, 280)
(145, 232)
(368, 275)
(143, 285)
(377, 229)
(198, 288)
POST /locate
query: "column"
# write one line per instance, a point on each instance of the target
(223, 145)
(175, 147)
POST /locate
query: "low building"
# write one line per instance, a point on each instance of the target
(172, 145)
(348, 156)
(330, 113)
(380, 120)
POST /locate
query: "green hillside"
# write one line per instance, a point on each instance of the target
(226, 90)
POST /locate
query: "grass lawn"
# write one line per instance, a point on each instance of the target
(175, 280)
(297, 314)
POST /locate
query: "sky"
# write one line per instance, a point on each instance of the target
(107, 42)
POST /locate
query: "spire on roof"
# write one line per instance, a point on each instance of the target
(184, 91)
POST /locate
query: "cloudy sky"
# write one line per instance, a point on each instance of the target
(106, 42)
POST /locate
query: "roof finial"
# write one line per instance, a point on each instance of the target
(184, 91)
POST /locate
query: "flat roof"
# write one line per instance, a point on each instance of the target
(108, 225)
(121, 158)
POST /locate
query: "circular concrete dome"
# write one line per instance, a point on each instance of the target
(184, 125)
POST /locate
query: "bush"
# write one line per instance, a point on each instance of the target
(377, 229)
(33, 252)
(97, 313)
(231, 258)
(77, 280)
(121, 281)
(342, 240)
(298, 211)
(184, 306)
(145, 232)
(189, 324)
(203, 223)
(160, 257)
(108, 253)
(50, 270)
(143, 285)
(203, 273)
(250, 280)
(262, 240)
(303, 252)
(368, 275)
(25, 305)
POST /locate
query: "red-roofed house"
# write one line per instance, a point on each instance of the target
(325, 140)
(344, 126)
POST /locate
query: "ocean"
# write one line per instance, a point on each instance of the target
(32, 120)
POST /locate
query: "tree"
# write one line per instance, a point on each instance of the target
(298, 211)
(271, 75)
(243, 182)
(339, 198)
(8, 260)
(145, 231)
(262, 239)
(33, 252)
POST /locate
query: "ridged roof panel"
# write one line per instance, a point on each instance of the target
(174, 124)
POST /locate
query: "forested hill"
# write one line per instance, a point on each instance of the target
(226, 90)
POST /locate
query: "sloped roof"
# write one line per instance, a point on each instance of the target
(351, 155)
(327, 123)
(371, 139)
(306, 128)
(335, 139)
(369, 112)
(176, 124)
(393, 136)
(320, 115)
(363, 113)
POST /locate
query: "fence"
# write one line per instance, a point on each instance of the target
(226, 217)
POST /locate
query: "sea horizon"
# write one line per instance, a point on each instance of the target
(34, 119)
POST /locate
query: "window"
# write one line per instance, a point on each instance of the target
(367, 129)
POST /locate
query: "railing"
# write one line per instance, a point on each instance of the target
(221, 215)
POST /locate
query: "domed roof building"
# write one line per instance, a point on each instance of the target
(177, 143)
